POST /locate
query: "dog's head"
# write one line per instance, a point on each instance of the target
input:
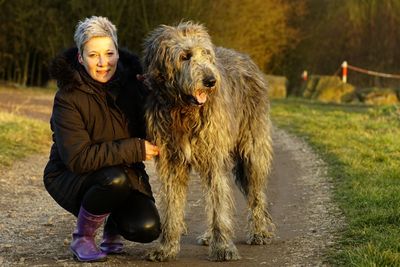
(180, 63)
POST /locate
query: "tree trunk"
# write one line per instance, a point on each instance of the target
(9, 72)
(145, 20)
(3, 70)
(39, 75)
(16, 75)
(24, 74)
(33, 68)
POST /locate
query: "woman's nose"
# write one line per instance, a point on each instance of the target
(102, 61)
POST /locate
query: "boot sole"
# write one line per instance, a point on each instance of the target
(76, 258)
(112, 250)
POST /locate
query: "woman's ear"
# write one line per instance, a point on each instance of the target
(80, 60)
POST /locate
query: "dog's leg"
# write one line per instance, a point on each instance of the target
(173, 198)
(253, 179)
(204, 239)
(260, 226)
(219, 210)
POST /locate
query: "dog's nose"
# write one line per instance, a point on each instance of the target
(209, 81)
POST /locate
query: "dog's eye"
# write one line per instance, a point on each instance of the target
(205, 52)
(186, 56)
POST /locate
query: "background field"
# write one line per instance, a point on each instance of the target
(20, 137)
(362, 146)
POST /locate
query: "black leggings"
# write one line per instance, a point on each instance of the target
(133, 214)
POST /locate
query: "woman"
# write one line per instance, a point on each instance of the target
(95, 170)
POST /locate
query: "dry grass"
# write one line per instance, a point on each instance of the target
(20, 137)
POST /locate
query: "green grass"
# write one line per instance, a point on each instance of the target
(21, 137)
(362, 147)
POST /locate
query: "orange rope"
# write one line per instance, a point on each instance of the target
(374, 73)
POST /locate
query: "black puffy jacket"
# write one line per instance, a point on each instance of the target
(94, 125)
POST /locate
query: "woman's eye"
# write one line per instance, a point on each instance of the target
(92, 55)
(110, 54)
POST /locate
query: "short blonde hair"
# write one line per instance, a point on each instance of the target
(94, 26)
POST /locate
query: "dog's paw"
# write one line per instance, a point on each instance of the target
(226, 253)
(160, 255)
(204, 240)
(260, 238)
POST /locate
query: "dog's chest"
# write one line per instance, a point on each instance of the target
(193, 136)
(192, 148)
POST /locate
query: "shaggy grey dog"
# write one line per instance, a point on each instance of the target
(208, 110)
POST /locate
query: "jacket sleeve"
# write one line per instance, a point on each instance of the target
(76, 149)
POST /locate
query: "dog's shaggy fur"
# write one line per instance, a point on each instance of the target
(208, 110)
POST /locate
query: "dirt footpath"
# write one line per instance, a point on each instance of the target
(34, 231)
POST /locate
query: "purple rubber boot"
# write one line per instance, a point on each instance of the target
(83, 245)
(112, 241)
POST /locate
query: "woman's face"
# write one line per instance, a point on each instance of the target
(100, 58)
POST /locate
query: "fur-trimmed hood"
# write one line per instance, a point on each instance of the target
(66, 69)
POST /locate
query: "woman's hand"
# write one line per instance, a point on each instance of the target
(151, 150)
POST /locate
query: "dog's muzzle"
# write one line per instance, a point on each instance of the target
(200, 96)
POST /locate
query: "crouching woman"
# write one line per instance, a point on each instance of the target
(95, 169)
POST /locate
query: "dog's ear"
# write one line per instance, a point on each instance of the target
(155, 52)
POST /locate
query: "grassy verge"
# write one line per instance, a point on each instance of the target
(29, 90)
(20, 137)
(362, 147)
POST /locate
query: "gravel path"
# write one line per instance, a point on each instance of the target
(37, 232)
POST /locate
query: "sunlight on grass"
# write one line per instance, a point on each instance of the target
(20, 137)
(362, 146)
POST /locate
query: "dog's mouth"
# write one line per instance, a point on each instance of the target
(200, 96)
(192, 100)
